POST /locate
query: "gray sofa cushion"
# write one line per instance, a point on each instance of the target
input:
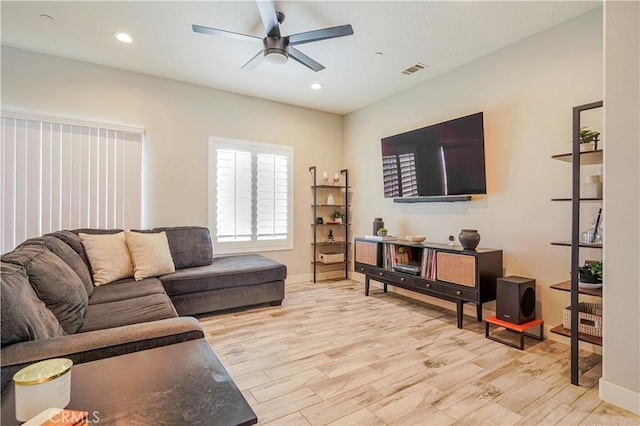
(69, 255)
(127, 288)
(74, 241)
(224, 272)
(190, 245)
(125, 312)
(24, 316)
(54, 282)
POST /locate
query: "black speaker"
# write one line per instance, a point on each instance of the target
(516, 299)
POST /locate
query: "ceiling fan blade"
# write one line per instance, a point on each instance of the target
(323, 34)
(298, 56)
(254, 62)
(269, 17)
(223, 33)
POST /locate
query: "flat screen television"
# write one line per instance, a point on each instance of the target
(443, 161)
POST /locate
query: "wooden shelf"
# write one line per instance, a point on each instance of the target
(344, 262)
(581, 199)
(337, 243)
(330, 205)
(330, 187)
(566, 286)
(568, 244)
(559, 329)
(331, 224)
(586, 157)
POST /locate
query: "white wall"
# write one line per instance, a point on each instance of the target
(178, 119)
(527, 92)
(620, 383)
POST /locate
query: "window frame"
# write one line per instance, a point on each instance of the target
(254, 245)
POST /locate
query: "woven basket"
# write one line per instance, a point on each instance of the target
(589, 318)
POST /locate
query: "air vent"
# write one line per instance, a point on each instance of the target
(415, 68)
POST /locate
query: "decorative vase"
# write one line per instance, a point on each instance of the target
(377, 224)
(469, 239)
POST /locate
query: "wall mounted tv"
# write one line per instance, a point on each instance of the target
(442, 162)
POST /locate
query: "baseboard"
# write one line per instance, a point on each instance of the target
(619, 396)
(303, 278)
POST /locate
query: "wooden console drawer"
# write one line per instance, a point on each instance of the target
(427, 285)
(456, 268)
(462, 294)
(403, 279)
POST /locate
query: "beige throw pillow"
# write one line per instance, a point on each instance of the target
(150, 254)
(108, 255)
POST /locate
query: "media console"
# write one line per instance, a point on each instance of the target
(446, 272)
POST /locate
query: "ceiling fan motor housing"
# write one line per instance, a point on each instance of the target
(275, 48)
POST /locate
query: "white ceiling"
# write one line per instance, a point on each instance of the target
(441, 34)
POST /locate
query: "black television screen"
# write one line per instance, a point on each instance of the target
(445, 159)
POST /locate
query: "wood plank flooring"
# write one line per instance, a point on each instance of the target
(330, 355)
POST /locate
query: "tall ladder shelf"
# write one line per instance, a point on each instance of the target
(322, 209)
(577, 159)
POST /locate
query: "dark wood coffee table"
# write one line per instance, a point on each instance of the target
(180, 384)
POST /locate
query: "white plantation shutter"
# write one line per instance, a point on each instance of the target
(250, 196)
(63, 174)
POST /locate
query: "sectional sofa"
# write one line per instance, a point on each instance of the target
(51, 307)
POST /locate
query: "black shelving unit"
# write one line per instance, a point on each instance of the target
(343, 245)
(577, 159)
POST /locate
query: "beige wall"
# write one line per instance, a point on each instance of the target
(620, 383)
(178, 119)
(527, 92)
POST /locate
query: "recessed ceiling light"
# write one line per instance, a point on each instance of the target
(316, 86)
(123, 37)
(378, 54)
(47, 18)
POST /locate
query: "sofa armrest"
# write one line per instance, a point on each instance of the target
(94, 345)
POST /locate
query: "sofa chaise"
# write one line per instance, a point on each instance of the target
(51, 307)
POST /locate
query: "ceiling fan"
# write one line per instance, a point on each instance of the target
(276, 48)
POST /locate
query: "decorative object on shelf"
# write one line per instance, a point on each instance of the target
(325, 178)
(377, 224)
(452, 240)
(337, 216)
(402, 256)
(330, 200)
(593, 235)
(589, 318)
(336, 178)
(382, 232)
(588, 139)
(416, 238)
(591, 272)
(597, 181)
(469, 239)
(319, 221)
(330, 237)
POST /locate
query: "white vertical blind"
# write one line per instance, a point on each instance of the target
(62, 175)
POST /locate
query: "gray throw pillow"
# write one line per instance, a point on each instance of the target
(70, 257)
(189, 245)
(54, 282)
(24, 316)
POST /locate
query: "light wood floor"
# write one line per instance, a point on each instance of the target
(330, 355)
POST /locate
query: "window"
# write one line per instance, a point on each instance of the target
(250, 196)
(67, 174)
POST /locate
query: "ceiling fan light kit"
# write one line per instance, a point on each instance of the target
(277, 49)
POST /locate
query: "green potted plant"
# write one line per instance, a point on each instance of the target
(591, 272)
(382, 232)
(588, 139)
